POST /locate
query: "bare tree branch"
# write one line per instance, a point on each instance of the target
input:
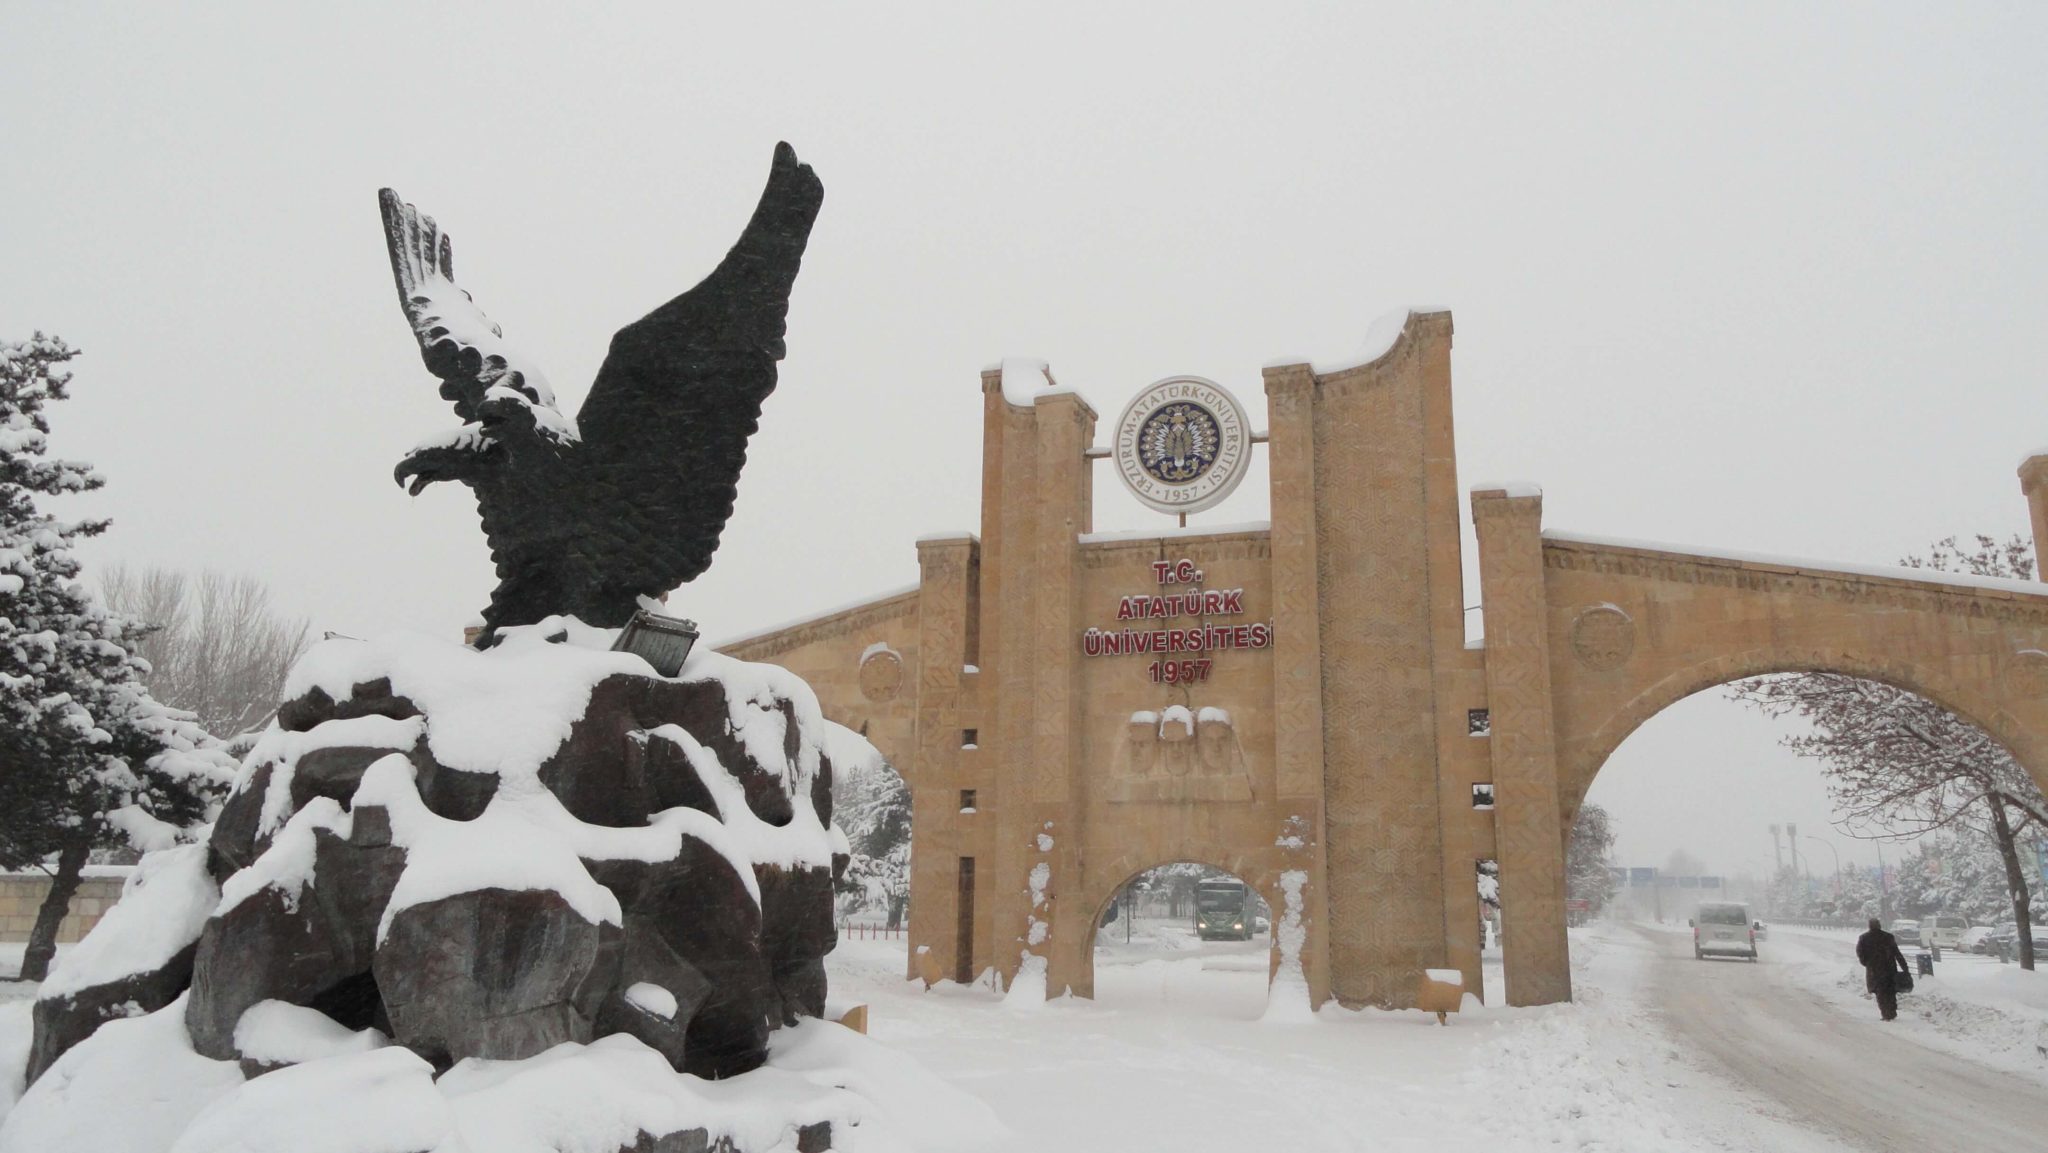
(1898, 764)
(219, 650)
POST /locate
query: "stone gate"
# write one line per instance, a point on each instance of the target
(1321, 711)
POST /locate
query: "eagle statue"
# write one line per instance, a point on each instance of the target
(587, 516)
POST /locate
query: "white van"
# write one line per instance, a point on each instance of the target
(1723, 928)
(1944, 931)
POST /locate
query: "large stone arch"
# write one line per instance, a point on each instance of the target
(1672, 624)
(1578, 769)
(1586, 639)
(1076, 961)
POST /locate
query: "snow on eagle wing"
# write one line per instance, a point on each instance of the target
(666, 424)
(495, 391)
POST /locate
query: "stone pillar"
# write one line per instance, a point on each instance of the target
(939, 767)
(1009, 572)
(2034, 482)
(1459, 676)
(1036, 501)
(1382, 820)
(1297, 643)
(1527, 824)
(1065, 430)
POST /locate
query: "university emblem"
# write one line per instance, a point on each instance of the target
(1182, 444)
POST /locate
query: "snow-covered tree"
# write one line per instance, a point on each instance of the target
(1586, 873)
(86, 755)
(1961, 873)
(1898, 764)
(872, 806)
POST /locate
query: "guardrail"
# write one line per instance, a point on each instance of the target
(853, 932)
(1855, 926)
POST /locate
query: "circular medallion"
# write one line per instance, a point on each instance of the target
(1182, 444)
(1603, 637)
(881, 674)
(2026, 673)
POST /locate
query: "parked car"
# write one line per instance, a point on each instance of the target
(1723, 928)
(2005, 940)
(1975, 938)
(1908, 933)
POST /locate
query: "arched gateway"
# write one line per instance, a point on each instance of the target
(1296, 701)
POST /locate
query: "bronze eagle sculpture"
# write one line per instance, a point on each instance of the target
(587, 516)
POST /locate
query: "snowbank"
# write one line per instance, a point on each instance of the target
(164, 904)
(136, 1086)
(17, 1030)
(1972, 1007)
(368, 1102)
(131, 1087)
(281, 1033)
(1287, 1002)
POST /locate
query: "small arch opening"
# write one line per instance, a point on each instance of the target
(1185, 938)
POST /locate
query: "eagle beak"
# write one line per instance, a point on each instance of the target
(411, 479)
(414, 474)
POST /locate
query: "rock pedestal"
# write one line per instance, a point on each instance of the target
(489, 854)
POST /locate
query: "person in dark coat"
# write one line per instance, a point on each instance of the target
(1882, 965)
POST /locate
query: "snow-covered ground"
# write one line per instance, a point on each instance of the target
(1171, 1055)
(16, 997)
(1972, 1007)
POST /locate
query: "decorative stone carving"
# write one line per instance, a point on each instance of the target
(1180, 755)
(1603, 637)
(2026, 673)
(881, 674)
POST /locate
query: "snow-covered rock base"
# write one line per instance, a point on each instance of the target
(137, 1086)
(530, 897)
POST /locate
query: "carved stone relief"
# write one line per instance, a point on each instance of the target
(881, 674)
(1179, 755)
(2026, 673)
(1603, 637)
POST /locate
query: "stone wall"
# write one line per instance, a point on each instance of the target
(21, 895)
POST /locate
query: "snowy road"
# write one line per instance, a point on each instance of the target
(1852, 1078)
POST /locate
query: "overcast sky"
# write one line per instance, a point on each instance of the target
(1763, 278)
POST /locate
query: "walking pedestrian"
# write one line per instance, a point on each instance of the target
(1883, 964)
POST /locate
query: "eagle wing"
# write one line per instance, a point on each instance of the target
(666, 424)
(494, 390)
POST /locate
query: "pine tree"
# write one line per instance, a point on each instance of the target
(85, 754)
